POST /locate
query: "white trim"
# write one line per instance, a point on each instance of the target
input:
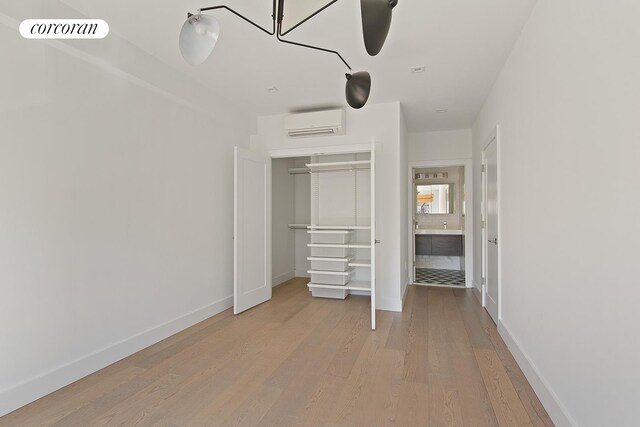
(404, 295)
(32, 389)
(279, 280)
(467, 164)
(549, 399)
(478, 294)
(319, 151)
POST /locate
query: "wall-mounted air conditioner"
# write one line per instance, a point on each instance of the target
(316, 123)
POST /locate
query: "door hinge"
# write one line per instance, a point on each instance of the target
(484, 224)
(484, 281)
(484, 168)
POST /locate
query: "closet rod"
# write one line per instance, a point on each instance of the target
(351, 169)
(301, 171)
(295, 171)
(299, 226)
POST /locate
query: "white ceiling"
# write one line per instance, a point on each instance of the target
(462, 43)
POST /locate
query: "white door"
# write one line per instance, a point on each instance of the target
(251, 230)
(414, 224)
(491, 229)
(373, 236)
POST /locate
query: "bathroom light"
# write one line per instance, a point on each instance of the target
(200, 33)
(198, 37)
(376, 21)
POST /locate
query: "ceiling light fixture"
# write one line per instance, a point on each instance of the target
(376, 21)
(200, 33)
(442, 111)
(418, 69)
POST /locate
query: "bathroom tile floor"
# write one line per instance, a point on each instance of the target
(429, 276)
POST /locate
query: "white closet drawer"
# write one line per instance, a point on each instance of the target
(330, 277)
(330, 264)
(330, 251)
(330, 236)
(329, 293)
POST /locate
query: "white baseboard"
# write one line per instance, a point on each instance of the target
(30, 390)
(404, 296)
(388, 304)
(556, 409)
(279, 280)
(478, 294)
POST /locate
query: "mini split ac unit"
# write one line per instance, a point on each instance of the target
(317, 123)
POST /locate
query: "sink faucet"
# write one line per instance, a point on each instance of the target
(445, 225)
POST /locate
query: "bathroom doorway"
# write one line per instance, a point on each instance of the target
(440, 222)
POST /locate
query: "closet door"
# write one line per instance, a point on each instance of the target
(251, 230)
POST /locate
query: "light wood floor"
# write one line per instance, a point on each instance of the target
(298, 360)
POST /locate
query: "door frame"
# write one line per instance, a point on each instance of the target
(494, 135)
(468, 217)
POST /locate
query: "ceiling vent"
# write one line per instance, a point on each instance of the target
(317, 123)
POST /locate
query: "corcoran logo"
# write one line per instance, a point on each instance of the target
(64, 29)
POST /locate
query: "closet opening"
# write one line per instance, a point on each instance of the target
(323, 224)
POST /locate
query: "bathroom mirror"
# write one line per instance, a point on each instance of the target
(435, 199)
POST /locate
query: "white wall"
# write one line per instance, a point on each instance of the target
(115, 206)
(381, 121)
(568, 103)
(442, 145)
(282, 257)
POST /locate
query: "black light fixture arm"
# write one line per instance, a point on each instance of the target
(392, 4)
(277, 17)
(312, 47)
(281, 34)
(273, 16)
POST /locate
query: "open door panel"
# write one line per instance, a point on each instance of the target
(252, 230)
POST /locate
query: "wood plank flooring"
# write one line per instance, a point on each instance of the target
(302, 361)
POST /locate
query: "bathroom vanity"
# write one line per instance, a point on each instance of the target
(439, 242)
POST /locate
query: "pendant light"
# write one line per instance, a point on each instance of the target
(200, 33)
(357, 89)
(376, 21)
(198, 37)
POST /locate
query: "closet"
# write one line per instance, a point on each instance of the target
(323, 223)
(291, 218)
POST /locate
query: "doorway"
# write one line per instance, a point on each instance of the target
(440, 223)
(490, 231)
